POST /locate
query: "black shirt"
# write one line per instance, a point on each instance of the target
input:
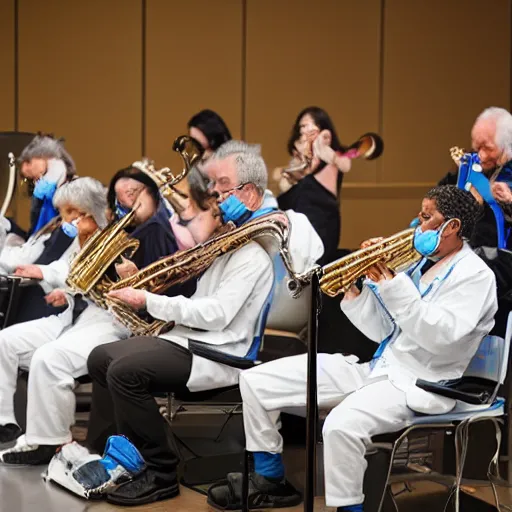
(322, 209)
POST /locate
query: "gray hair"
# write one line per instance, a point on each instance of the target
(503, 120)
(87, 195)
(250, 166)
(44, 146)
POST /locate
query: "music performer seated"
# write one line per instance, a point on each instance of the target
(55, 349)
(491, 139)
(432, 322)
(46, 163)
(221, 315)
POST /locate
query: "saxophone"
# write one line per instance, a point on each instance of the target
(397, 252)
(87, 274)
(184, 265)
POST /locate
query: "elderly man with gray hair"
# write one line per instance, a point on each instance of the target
(491, 139)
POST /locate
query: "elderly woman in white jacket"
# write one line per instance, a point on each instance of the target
(429, 323)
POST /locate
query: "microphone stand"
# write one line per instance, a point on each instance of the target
(311, 398)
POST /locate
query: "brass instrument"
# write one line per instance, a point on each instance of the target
(369, 147)
(88, 270)
(397, 252)
(184, 265)
(10, 186)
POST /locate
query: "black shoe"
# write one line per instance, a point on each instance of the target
(263, 493)
(147, 487)
(26, 455)
(9, 433)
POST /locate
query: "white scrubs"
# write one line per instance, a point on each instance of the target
(431, 336)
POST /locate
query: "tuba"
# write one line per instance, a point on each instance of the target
(88, 271)
(184, 265)
(397, 252)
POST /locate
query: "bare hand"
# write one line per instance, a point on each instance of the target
(371, 241)
(57, 298)
(501, 191)
(352, 293)
(380, 272)
(30, 271)
(126, 269)
(134, 298)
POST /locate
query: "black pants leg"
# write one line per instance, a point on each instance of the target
(133, 370)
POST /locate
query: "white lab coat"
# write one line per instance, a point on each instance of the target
(434, 338)
(55, 352)
(223, 312)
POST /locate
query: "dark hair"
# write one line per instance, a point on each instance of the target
(456, 203)
(322, 120)
(198, 185)
(212, 126)
(134, 174)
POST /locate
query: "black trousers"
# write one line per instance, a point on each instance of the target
(125, 376)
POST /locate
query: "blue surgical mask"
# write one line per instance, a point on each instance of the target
(427, 242)
(414, 223)
(232, 209)
(121, 210)
(70, 228)
(44, 189)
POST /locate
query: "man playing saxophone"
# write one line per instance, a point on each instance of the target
(216, 331)
(55, 349)
(429, 321)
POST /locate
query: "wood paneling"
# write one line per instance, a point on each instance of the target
(7, 65)
(194, 61)
(302, 53)
(444, 61)
(80, 77)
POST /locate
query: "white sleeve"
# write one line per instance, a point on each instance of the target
(305, 246)
(56, 272)
(458, 309)
(25, 254)
(216, 311)
(368, 315)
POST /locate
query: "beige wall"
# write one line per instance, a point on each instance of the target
(122, 77)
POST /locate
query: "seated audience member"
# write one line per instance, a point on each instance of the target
(491, 138)
(55, 349)
(210, 130)
(429, 320)
(48, 165)
(220, 320)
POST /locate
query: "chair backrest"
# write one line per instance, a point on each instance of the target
(470, 174)
(491, 359)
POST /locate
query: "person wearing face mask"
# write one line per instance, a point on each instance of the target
(73, 200)
(220, 320)
(491, 139)
(55, 349)
(48, 165)
(429, 321)
(210, 130)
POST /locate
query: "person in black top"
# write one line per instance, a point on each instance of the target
(317, 194)
(210, 130)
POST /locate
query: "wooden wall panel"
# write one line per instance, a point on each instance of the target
(194, 61)
(301, 54)
(7, 65)
(80, 76)
(444, 61)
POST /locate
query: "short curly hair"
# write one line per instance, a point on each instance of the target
(456, 203)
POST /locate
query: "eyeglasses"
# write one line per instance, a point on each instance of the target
(213, 184)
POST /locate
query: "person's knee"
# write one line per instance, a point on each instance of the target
(98, 361)
(345, 422)
(48, 358)
(249, 383)
(123, 372)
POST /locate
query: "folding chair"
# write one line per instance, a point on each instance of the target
(477, 401)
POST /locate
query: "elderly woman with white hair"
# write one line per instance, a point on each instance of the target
(491, 138)
(46, 163)
(55, 349)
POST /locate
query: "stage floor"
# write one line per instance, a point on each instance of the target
(23, 490)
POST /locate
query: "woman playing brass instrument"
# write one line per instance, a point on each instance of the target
(315, 141)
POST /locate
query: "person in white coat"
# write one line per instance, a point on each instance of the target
(429, 321)
(55, 349)
(216, 333)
